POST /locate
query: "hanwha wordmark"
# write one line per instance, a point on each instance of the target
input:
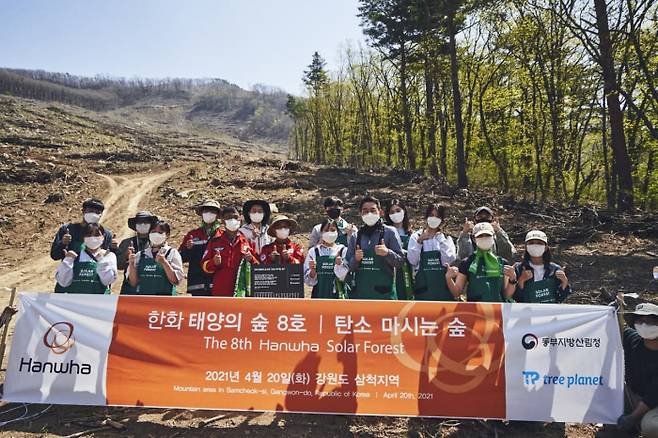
(59, 337)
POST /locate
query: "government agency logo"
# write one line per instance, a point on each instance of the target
(59, 337)
(529, 341)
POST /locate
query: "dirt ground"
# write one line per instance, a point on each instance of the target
(50, 163)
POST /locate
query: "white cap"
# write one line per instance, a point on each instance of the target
(645, 309)
(483, 228)
(536, 235)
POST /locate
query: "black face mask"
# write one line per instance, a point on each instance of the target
(334, 213)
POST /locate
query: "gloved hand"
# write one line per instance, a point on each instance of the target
(627, 423)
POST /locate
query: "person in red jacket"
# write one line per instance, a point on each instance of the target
(225, 254)
(282, 251)
(194, 244)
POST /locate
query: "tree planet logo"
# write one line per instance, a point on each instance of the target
(529, 341)
(59, 337)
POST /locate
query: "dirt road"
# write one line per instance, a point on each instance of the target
(125, 195)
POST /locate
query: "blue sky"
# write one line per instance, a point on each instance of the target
(243, 41)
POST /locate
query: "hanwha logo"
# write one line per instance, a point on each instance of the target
(59, 337)
(529, 341)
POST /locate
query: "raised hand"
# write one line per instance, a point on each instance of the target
(70, 254)
(468, 226)
(358, 254)
(160, 258)
(509, 272)
(66, 238)
(381, 249)
(496, 225)
(452, 272)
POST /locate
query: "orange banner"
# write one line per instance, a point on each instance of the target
(318, 356)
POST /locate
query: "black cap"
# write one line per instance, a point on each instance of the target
(483, 209)
(93, 203)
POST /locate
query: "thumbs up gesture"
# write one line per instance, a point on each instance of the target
(358, 254)
(452, 272)
(339, 260)
(274, 255)
(246, 254)
(312, 267)
(468, 226)
(160, 258)
(217, 259)
(115, 242)
(131, 250)
(66, 239)
(131, 253)
(70, 254)
(526, 275)
(381, 249)
(189, 244)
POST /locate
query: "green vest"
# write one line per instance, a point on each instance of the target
(483, 288)
(542, 291)
(328, 286)
(374, 280)
(404, 277)
(342, 235)
(152, 278)
(430, 283)
(85, 279)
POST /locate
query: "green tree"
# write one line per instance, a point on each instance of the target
(315, 78)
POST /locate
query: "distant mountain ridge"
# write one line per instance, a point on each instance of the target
(211, 104)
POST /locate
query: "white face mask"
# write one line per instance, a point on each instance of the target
(283, 233)
(232, 224)
(256, 217)
(370, 219)
(484, 243)
(142, 228)
(92, 218)
(157, 239)
(434, 222)
(655, 275)
(397, 218)
(536, 250)
(330, 236)
(647, 331)
(209, 217)
(94, 242)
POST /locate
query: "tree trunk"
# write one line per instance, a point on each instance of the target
(430, 117)
(406, 116)
(622, 163)
(462, 179)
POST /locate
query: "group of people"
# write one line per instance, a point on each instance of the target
(383, 258)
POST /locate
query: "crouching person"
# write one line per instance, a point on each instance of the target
(640, 341)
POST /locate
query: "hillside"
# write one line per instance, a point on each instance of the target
(194, 105)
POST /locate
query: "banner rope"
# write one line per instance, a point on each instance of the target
(23, 416)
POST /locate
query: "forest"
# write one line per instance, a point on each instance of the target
(549, 99)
